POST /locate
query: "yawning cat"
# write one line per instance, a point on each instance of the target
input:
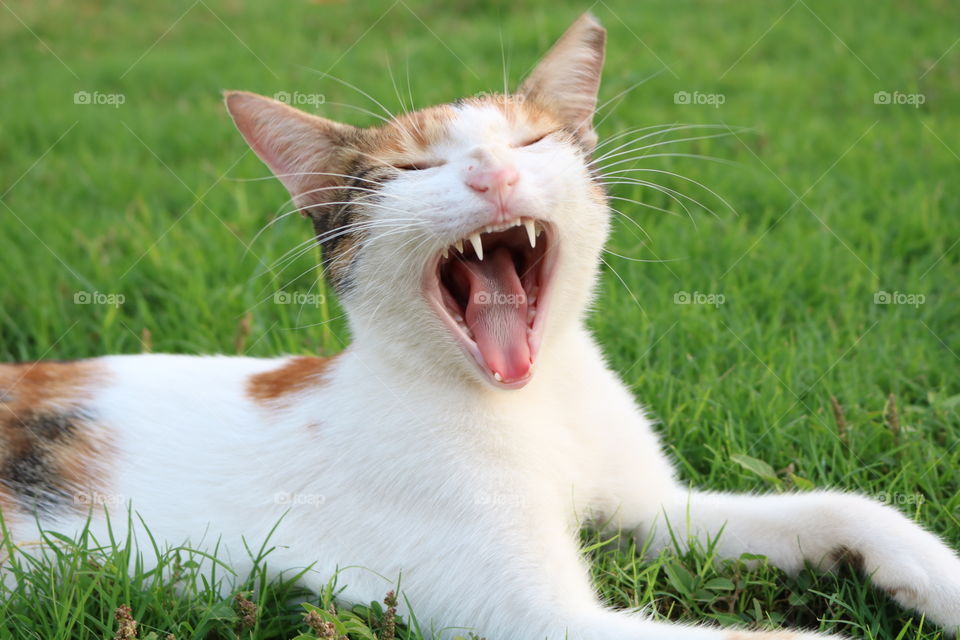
(470, 428)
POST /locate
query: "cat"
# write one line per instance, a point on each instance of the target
(470, 428)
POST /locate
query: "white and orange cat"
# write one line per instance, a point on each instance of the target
(470, 428)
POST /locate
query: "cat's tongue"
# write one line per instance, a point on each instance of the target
(497, 313)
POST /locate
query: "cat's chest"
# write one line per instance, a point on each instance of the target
(528, 450)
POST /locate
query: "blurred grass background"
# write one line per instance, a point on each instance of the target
(837, 198)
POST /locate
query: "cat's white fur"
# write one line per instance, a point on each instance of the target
(405, 463)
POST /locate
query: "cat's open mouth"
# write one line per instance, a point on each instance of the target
(490, 289)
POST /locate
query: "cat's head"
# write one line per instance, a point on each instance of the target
(462, 239)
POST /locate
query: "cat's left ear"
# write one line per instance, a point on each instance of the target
(304, 151)
(567, 79)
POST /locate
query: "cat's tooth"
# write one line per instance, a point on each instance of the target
(531, 231)
(497, 376)
(477, 245)
(459, 245)
(446, 253)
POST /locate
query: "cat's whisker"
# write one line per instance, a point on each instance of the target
(677, 154)
(372, 114)
(676, 195)
(409, 255)
(269, 224)
(681, 177)
(409, 88)
(368, 225)
(396, 89)
(360, 200)
(620, 96)
(355, 88)
(626, 145)
(331, 235)
(658, 260)
(279, 216)
(646, 205)
(625, 286)
(305, 173)
(673, 195)
(344, 229)
(661, 143)
(324, 269)
(373, 238)
(637, 224)
(503, 59)
(304, 247)
(623, 134)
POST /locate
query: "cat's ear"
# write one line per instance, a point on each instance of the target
(567, 79)
(298, 147)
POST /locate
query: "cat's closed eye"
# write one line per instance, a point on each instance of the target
(534, 140)
(417, 166)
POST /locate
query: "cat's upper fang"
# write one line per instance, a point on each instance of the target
(477, 245)
(533, 228)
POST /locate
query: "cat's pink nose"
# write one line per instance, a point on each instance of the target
(494, 185)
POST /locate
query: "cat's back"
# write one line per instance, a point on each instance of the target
(54, 390)
(76, 433)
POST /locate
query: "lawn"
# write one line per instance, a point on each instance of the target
(803, 336)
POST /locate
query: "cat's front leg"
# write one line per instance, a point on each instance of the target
(824, 528)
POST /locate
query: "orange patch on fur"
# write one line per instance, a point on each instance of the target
(297, 374)
(407, 134)
(32, 384)
(51, 448)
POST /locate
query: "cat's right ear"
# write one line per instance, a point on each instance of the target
(567, 79)
(298, 147)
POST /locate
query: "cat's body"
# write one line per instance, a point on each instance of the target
(419, 451)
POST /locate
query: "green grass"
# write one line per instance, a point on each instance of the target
(837, 198)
